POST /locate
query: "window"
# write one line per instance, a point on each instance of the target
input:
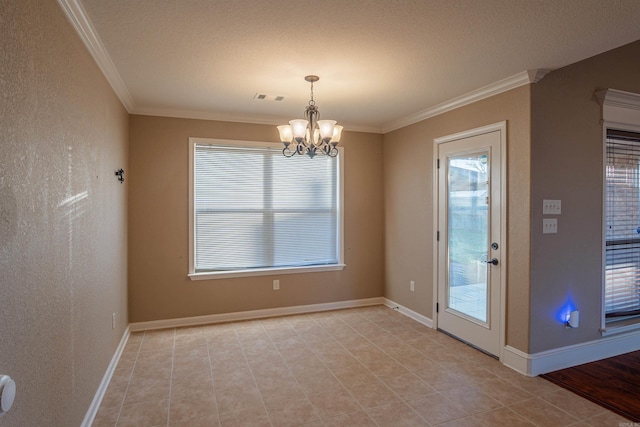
(255, 212)
(621, 228)
(622, 224)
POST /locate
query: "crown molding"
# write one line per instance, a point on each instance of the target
(619, 98)
(82, 24)
(520, 79)
(236, 118)
(619, 108)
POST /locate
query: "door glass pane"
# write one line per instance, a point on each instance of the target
(468, 219)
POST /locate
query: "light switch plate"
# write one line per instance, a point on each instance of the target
(549, 226)
(551, 207)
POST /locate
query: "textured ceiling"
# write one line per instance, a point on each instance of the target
(379, 61)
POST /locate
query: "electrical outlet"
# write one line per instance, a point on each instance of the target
(412, 286)
(551, 207)
(549, 226)
(113, 321)
(276, 285)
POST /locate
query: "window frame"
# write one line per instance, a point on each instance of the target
(209, 275)
(620, 111)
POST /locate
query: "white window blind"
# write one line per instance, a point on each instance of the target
(253, 209)
(622, 224)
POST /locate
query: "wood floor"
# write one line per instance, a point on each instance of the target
(613, 383)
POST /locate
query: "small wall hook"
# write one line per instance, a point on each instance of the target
(120, 175)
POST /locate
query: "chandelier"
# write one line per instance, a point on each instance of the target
(310, 135)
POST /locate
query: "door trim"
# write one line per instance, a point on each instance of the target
(502, 127)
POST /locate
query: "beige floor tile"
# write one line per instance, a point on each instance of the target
(501, 417)
(348, 367)
(333, 404)
(210, 421)
(237, 397)
(181, 389)
(424, 344)
(396, 415)
(353, 376)
(386, 368)
(231, 377)
(301, 352)
(575, 405)
(445, 356)
(146, 374)
(503, 391)
(474, 373)
(230, 368)
(278, 388)
(103, 422)
(536, 385)
(441, 378)
(188, 351)
(408, 386)
(438, 408)
(472, 398)
(151, 413)
(289, 342)
(147, 389)
(152, 345)
(319, 383)
(267, 368)
(190, 340)
(372, 394)
(606, 419)
(291, 412)
(254, 416)
(226, 352)
(195, 406)
(310, 365)
(414, 361)
(542, 413)
(114, 396)
(355, 419)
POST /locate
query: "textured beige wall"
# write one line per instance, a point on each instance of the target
(408, 170)
(566, 153)
(63, 241)
(158, 227)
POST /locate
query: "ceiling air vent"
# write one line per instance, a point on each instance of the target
(265, 97)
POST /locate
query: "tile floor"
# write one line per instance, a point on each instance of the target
(368, 366)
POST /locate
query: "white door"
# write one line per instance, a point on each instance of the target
(470, 186)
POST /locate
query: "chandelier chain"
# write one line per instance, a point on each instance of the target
(311, 101)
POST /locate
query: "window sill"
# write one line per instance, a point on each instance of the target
(621, 326)
(264, 272)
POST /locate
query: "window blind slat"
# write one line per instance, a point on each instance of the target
(622, 229)
(254, 208)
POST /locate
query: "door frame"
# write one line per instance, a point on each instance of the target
(502, 128)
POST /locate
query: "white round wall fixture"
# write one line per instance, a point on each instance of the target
(7, 393)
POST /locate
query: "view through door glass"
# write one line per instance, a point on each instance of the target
(468, 230)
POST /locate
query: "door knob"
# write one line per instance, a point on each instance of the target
(494, 261)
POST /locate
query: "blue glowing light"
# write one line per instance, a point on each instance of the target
(562, 315)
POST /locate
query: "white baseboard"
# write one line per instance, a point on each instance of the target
(254, 314)
(408, 312)
(517, 360)
(102, 388)
(573, 355)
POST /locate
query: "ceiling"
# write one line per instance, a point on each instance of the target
(381, 62)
